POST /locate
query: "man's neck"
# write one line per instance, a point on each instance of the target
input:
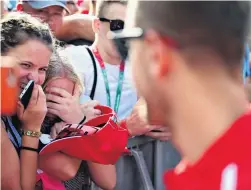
(205, 115)
(106, 56)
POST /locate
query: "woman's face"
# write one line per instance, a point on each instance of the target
(33, 59)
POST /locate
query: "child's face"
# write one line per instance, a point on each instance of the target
(62, 83)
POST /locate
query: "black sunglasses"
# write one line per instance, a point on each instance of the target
(121, 39)
(114, 24)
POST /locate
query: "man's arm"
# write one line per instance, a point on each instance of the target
(77, 26)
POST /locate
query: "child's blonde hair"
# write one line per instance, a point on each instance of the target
(60, 67)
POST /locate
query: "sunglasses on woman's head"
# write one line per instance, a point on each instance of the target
(114, 24)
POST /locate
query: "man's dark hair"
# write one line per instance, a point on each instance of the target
(219, 25)
(102, 5)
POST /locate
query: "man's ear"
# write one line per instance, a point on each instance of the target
(166, 59)
(161, 53)
(96, 25)
(20, 7)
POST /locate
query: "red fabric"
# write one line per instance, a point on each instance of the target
(226, 165)
(49, 183)
(80, 2)
(104, 147)
(123, 125)
(85, 12)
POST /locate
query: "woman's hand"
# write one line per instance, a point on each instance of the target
(57, 127)
(64, 105)
(33, 116)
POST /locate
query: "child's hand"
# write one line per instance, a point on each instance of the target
(57, 128)
(89, 110)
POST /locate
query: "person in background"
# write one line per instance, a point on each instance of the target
(72, 7)
(65, 28)
(193, 63)
(92, 6)
(82, 23)
(4, 7)
(84, 6)
(88, 7)
(11, 4)
(62, 77)
(110, 15)
(50, 12)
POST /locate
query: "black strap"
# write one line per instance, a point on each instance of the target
(95, 74)
(82, 121)
(30, 149)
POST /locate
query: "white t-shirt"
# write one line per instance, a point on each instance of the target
(82, 62)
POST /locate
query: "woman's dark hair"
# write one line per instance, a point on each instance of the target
(18, 28)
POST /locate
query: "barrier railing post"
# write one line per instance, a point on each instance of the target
(144, 174)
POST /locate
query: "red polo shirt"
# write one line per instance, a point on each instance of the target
(226, 165)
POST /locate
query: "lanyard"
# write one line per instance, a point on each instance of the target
(120, 82)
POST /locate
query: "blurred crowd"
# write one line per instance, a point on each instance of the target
(77, 56)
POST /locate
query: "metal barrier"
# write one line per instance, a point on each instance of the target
(144, 168)
(166, 157)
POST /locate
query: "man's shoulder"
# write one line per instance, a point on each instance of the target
(228, 159)
(241, 129)
(79, 58)
(81, 49)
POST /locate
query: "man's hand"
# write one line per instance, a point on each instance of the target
(161, 133)
(137, 123)
(137, 126)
